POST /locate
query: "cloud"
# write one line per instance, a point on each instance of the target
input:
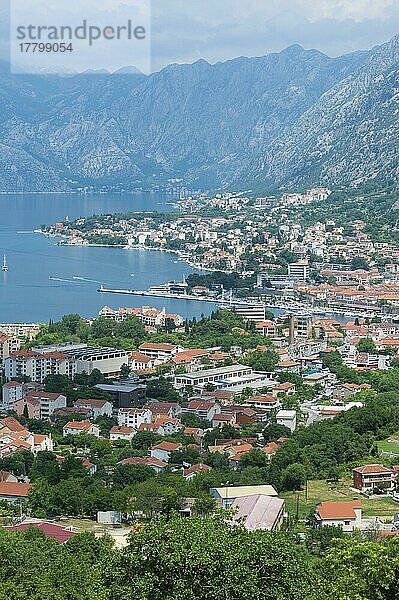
(185, 30)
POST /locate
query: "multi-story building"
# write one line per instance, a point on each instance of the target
(125, 395)
(133, 417)
(40, 405)
(11, 392)
(299, 270)
(22, 330)
(152, 317)
(251, 312)
(221, 374)
(98, 408)
(266, 327)
(37, 366)
(369, 477)
(87, 358)
(160, 352)
(303, 326)
(14, 390)
(287, 418)
(8, 344)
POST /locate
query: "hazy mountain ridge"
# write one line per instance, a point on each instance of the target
(292, 117)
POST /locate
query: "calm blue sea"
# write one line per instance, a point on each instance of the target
(27, 294)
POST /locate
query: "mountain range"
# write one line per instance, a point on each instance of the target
(293, 118)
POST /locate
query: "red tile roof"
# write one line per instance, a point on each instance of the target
(338, 510)
(368, 469)
(19, 490)
(168, 446)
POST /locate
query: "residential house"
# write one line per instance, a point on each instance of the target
(347, 515)
(284, 389)
(370, 477)
(76, 427)
(121, 432)
(141, 362)
(266, 402)
(163, 450)
(13, 492)
(189, 358)
(8, 476)
(196, 432)
(221, 419)
(287, 418)
(243, 415)
(270, 449)
(60, 533)
(151, 461)
(134, 417)
(164, 409)
(204, 409)
(195, 470)
(98, 408)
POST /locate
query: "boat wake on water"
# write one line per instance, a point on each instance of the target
(84, 279)
(61, 279)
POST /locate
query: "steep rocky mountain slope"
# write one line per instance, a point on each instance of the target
(293, 117)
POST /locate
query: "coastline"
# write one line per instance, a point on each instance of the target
(179, 253)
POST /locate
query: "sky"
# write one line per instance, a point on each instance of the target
(216, 30)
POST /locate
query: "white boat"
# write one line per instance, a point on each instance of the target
(5, 266)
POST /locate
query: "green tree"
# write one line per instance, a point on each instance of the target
(182, 563)
(294, 477)
(366, 345)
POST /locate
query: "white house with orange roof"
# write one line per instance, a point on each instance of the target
(121, 432)
(160, 352)
(77, 427)
(98, 408)
(163, 450)
(140, 362)
(189, 358)
(347, 515)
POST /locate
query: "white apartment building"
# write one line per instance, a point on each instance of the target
(251, 312)
(221, 375)
(24, 330)
(37, 366)
(8, 344)
(299, 270)
(87, 358)
(287, 418)
(133, 417)
(160, 352)
(12, 391)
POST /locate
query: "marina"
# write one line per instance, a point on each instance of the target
(46, 281)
